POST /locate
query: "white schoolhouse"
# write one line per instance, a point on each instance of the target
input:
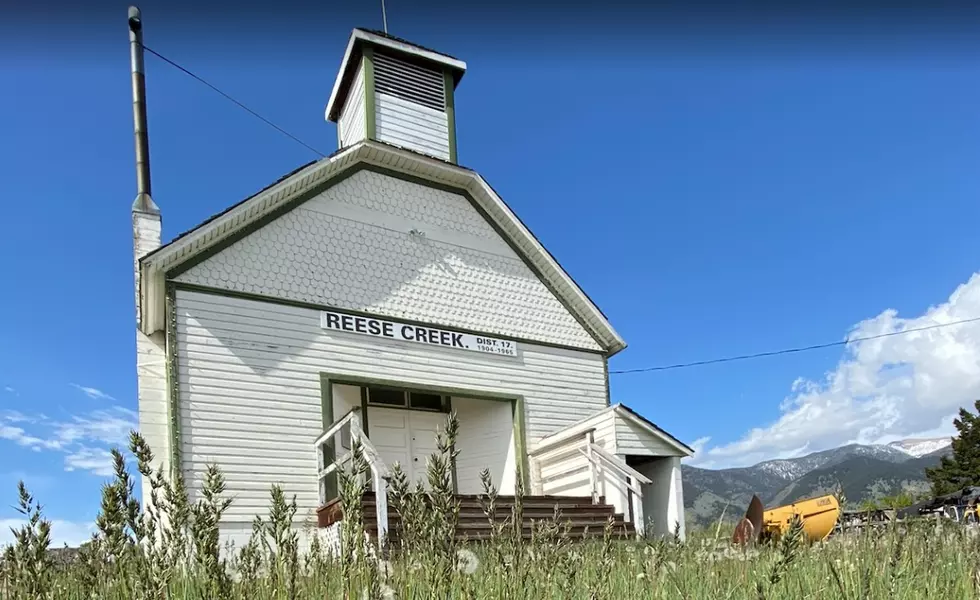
(368, 294)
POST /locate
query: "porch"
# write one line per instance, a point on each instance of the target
(575, 471)
(579, 517)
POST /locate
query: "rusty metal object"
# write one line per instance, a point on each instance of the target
(749, 528)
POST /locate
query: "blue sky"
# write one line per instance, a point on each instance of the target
(713, 200)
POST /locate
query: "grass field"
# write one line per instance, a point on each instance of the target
(171, 551)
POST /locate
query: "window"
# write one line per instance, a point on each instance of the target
(404, 399)
(386, 396)
(425, 401)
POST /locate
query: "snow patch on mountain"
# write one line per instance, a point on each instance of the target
(784, 469)
(794, 468)
(919, 447)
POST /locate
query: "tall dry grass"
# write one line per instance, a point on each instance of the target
(170, 549)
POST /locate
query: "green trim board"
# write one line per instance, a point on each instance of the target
(360, 380)
(244, 232)
(364, 412)
(520, 439)
(332, 484)
(443, 409)
(203, 289)
(451, 114)
(350, 171)
(605, 375)
(328, 380)
(173, 381)
(370, 112)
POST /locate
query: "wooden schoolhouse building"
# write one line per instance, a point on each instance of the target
(367, 294)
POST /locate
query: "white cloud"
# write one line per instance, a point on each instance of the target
(15, 416)
(96, 460)
(698, 446)
(110, 426)
(93, 393)
(62, 532)
(20, 437)
(884, 389)
(85, 439)
(10, 390)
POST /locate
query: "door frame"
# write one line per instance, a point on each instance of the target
(328, 379)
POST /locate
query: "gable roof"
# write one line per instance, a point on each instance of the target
(620, 410)
(224, 228)
(651, 427)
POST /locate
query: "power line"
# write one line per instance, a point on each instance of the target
(249, 110)
(843, 342)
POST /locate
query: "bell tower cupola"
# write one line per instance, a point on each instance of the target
(396, 92)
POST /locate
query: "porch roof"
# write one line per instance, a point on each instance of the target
(624, 412)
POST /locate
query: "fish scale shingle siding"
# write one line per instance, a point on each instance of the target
(399, 249)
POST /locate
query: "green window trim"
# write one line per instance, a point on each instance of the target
(370, 114)
(451, 114)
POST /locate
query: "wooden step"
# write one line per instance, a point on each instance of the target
(533, 512)
(591, 531)
(485, 525)
(531, 505)
(596, 515)
(578, 513)
(476, 500)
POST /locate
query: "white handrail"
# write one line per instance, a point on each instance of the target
(618, 464)
(557, 440)
(377, 466)
(333, 429)
(378, 473)
(598, 460)
(554, 448)
(631, 475)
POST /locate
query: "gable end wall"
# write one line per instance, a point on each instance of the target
(382, 245)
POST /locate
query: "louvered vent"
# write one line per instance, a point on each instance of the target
(410, 82)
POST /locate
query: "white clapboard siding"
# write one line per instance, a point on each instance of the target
(351, 247)
(352, 125)
(632, 439)
(249, 384)
(154, 419)
(404, 123)
(486, 434)
(569, 471)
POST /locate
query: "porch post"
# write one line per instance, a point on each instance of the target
(381, 504)
(593, 475)
(320, 481)
(639, 521)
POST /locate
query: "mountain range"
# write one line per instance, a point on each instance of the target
(865, 472)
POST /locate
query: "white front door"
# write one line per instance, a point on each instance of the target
(407, 437)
